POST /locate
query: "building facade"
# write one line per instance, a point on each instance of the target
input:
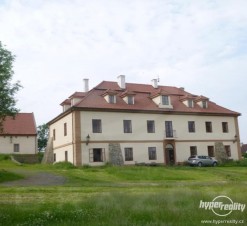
(19, 135)
(152, 124)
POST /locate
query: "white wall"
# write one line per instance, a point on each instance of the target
(27, 144)
(60, 154)
(140, 139)
(62, 143)
(183, 149)
(59, 128)
(112, 126)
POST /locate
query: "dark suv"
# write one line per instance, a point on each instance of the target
(201, 160)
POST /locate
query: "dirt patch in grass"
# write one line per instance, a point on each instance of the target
(37, 179)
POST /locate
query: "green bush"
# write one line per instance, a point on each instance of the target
(4, 157)
(242, 162)
(40, 156)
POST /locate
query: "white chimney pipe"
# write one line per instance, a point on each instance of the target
(121, 81)
(85, 85)
(155, 83)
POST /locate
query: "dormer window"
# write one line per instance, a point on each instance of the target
(128, 97)
(190, 103)
(188, 100)
(162, 99)
(165, 100)
(112, 99)
(202, 101)
(204, 104)
(110, 96)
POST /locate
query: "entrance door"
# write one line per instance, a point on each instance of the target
(170, 155)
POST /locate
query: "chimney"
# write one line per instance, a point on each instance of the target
(85, 85)
(121, 81)
(182, 88)
(155, 83)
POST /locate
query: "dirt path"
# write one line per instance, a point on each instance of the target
(37, 179)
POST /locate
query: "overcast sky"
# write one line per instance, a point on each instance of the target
(199, 45)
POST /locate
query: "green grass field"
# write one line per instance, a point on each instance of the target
(131, 195)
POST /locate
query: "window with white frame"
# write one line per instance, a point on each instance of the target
(130, 100)
(190, 103)
(165, 100)
(112, 99)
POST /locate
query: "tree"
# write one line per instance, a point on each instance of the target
(7, 89)
(43, 133)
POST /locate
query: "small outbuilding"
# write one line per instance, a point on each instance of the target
(19, 134)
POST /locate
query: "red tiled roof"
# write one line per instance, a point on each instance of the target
(78, 94)
(22, 124)
(143, 99)
(66, 102)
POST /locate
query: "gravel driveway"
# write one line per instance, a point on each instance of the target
(37, 179)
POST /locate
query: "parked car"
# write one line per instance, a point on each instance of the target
(202, 160)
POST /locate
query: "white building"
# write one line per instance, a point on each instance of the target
(152, 123)
(19, 135)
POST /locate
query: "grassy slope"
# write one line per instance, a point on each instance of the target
(122, 196)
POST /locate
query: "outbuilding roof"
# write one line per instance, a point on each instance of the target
(23, 124)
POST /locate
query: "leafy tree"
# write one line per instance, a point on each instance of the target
(43, 133)
(7, 89)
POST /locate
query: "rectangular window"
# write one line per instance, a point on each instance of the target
(16, 147)
(97, 155)
(191, 126)
(54, 157)
(225, 127)
(204, 104)
(128, 153)
(228, 150)
(54, 134)
(66, 156)
(152, 153)
(127, 126)
(190, 103)
(169, 129)
(211, 151)
(193, 150)
(112, 99)
(96, 124)
(208, 127)
(150, 126)
(130, 100)
(65, 129)
(165, 100)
